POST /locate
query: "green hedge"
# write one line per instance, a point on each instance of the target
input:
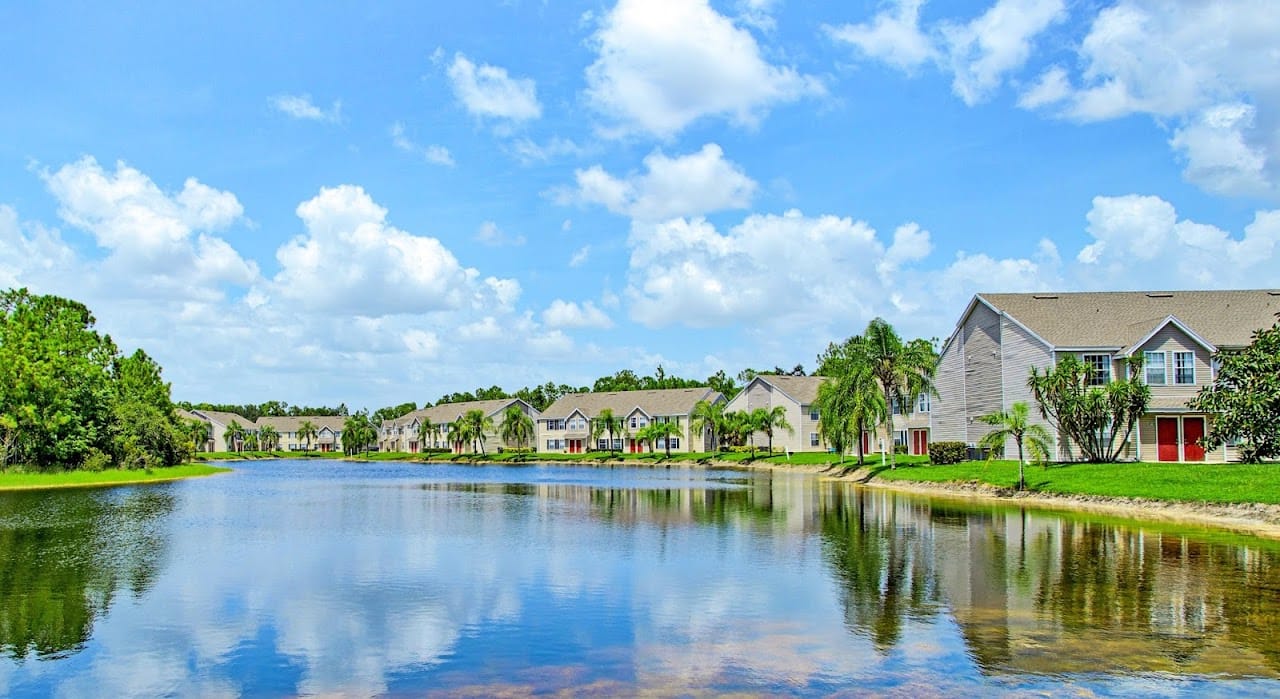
(947, 452)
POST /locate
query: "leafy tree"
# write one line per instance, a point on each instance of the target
(607, 423)
(1091, 417)
(707, 417)
(198, 433)
(358, 433)
(55, 383)
(491, 393)
(624, 380)
(392, 412)
(739, 428)
(770, 420)
(1244, 399)
(1014, 424)
(307, 431)
(723, 383)
(455, 397)
(904, 370)
(268, 438)
(517, 426)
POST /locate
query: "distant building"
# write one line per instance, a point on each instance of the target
(565, 426)
(403, 434)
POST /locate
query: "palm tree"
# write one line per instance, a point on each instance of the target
(457, 434)
(850, 403)
(607, 422)
(1013, 423)
(738, 427)
(426, 430)
(251, 441)
(307, 431)
(648, 435)
(517, 426)
(477, 424)
(664, 431)
(769, 420)
(903, 369)
(234, 436)
(268, 438)
(198, 431)
(707, 417)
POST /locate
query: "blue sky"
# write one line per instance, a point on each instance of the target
(376, 203)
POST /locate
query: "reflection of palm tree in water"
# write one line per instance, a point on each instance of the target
(64, 556)
(882, 570)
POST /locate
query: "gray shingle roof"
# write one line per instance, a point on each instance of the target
(448, 412)
(667, 401)
(1122, 318)
(802, 388)
(225, 419)
(284, 425)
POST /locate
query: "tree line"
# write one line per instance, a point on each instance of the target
(70, 399)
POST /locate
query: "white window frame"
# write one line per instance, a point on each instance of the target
(1177, 370)
(1093, 375)
(1147, 364)
(924, 403)
(814, 413)
(815, 439)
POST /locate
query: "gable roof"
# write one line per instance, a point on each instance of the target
(224, 419)
(663, 401)
(801, 389)
(284, 425)
(1121, 319)
(448, 412)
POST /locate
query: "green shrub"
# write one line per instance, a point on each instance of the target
(899, 448)
(947, 452)
(96, 461)
(515, 450)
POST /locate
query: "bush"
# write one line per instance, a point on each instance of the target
(96, 461)
(947, 452)
(899, 448)
(515, 450)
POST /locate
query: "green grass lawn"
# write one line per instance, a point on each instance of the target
(79, 479)
(1217, 483)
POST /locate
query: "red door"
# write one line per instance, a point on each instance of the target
(1167, 438)
(1192, 431)
(866, 443)
(919, 441)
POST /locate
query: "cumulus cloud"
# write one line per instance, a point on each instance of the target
(893, 36)
(569, 314)
(433, 153)
(493, 236)
(490, 92)
(301, 107)
(1208, 69)
(162, 238)
(352, 261)
(986, 49)
(687, 185)
(580, 256)
(1138, 241)
(663, 64)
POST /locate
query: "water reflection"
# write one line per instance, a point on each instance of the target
(61, 566)
(287, 579)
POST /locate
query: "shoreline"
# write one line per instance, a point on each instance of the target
(6, 488)
(1253, 519)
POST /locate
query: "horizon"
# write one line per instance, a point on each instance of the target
(360, 199)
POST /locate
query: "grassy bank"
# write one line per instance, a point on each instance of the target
(86, 479)
(704, 458)
(1214, 483)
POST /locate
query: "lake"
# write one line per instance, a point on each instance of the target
(360, 579)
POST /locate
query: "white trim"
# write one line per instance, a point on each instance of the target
(1178, 324)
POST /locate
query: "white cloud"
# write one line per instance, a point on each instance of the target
(350, 260)
(488, 91)
(1140, 243)
(1052, 87)
(568, 314)
(301, 107)
(663, 64)
(581, 256)
(152, 237)
(687, 185)
(986, 49)
(892, 36)
(433, 153)
(490, 234)
(529, 152)
(1210, 70)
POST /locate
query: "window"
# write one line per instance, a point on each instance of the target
(555, 444)
(617, 445)
(1153, 364)
(634, 422)
(675, 443)
(602, 445)
(922, 403)
(814, 413)
(555, 424)
(1101, 368)
(1184, 368)
(813, 439)
(900, 438)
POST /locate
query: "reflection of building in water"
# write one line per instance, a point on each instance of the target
(1050, 594)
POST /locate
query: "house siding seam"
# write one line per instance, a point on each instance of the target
(982, 369)
(1022, 351)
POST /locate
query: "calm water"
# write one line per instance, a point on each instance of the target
(289, 577)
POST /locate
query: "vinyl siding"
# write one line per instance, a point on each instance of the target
(982, 383)
(947, 419)
(1021, 351)
(1172, 339)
